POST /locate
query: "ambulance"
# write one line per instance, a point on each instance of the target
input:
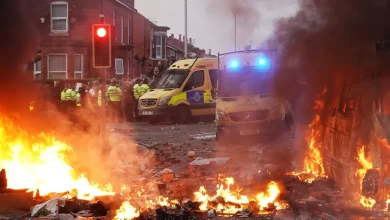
(245, 106)
(183, 93)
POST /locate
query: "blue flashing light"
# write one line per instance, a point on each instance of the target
(262, 62)
(234, 64)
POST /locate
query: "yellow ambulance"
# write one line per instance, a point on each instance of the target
(182, 93)
(245, 106)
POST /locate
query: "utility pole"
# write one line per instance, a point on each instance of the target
(235, 31)
(185, 30)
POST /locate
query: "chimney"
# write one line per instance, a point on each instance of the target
(210, 52)
(180, 37)
(172, 36)
(190, 40)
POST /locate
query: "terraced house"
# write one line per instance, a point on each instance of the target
(65, 33)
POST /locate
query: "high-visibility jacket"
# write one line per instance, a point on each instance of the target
(114, 94)
(78, 99)
(137, 90)
(100, 98)
(63, 94)
(70, 95)
(144, 89)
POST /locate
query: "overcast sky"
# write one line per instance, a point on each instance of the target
(211, 22)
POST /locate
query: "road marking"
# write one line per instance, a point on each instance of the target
(204, 136)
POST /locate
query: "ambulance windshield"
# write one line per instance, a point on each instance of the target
(247, 81)
(172, 79)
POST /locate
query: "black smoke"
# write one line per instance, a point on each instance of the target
(324, 44)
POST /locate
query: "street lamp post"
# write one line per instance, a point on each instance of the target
(185, 30)
(235, 31)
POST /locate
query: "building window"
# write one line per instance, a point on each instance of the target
(57, 66)
(59, 16)
(122, 31)
(158, 47)
(38, 70)
(78, 66)
(128, 32)
(119, 67)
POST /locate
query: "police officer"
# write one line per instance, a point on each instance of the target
(114, 96)
(145, 86)
(137, 93)
(137, 89)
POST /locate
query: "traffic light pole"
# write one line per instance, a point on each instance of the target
(104, 115)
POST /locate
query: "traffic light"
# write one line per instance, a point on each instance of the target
(101, 45)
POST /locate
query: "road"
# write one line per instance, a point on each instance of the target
(251, 164)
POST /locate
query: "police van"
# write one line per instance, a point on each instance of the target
(183, 92)
(245, 106)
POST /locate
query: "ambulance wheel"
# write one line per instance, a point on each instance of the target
(183, 114)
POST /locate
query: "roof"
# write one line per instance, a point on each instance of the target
(179, 45)
(155, 26)
(187, 63)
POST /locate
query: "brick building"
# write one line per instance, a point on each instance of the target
(175, 48)
(64, 28)
(150, 42)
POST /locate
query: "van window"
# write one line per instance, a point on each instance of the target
(213, 78)
(196, 80)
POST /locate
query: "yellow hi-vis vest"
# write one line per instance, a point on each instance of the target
(70, 95)
(137, 90)
(114, 94)
(144, 89)
(100, 98)
(78, 100)
(63, 94)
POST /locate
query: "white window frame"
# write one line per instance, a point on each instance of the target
(128, 32)
(59, 18)
(36, 72)
(82, 66)
(159, 46)
(116, 69)
(48, 64)
(122, 31)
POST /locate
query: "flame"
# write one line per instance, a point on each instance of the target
(365, 165)
(264, 199)
(126, 212)
(32, 104)
(367, 202)
(233, 201)
(40, 163)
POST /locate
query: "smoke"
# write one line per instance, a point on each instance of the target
(18, 44)
(325, 43)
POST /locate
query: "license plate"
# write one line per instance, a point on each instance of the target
(249, 132)
(147, 113)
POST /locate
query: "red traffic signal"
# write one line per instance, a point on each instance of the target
(101, 32)
(101, 46)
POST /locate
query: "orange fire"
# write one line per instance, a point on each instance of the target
(32, 104)
(40, 163)
(233, 200)
(126, 212)
(313, 162)
(365, 165)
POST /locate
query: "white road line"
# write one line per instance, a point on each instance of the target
(204, 136)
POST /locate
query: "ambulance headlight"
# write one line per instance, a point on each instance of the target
(164, 101)
(221, 116)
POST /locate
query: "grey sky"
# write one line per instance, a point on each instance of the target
(211, 22)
